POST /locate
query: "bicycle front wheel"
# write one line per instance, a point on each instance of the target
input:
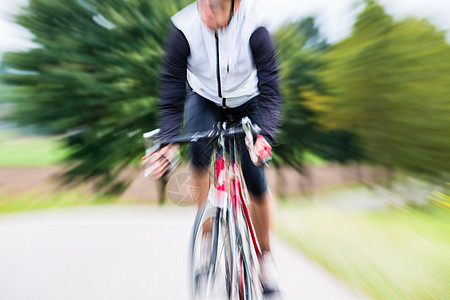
(211, 255)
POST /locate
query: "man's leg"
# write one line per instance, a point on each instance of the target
(199, 115)
(261, 214)
(261, 206)
(199, 180)
(200, 187)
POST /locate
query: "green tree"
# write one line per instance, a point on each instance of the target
(300, 51)
(388, 84)
(92, 78)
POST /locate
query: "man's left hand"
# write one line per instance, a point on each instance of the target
(263, 150)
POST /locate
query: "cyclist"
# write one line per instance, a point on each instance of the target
(224, 52)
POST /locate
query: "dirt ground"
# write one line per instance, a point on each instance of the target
(284, 181)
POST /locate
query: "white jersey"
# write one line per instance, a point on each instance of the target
(220, 66)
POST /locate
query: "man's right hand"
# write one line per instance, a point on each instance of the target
(157, 163)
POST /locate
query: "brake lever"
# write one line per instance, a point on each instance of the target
(247, 126)
(251, 131)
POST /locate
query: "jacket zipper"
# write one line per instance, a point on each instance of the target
(219, 86)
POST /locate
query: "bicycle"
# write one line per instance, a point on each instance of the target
(224, 248)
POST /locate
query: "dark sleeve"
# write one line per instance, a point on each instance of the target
(172, 84)
(268, 82)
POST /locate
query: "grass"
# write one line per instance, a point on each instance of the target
(18, 150)
(35, 200)
(42, 151)
(393, 254)
(21, 151)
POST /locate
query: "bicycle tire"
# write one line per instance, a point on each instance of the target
(247, 288)
(216, 279)
(234, 288)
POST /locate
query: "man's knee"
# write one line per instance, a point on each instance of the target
(255, 179)
(200, 154)
(260, 197)
(199, 171)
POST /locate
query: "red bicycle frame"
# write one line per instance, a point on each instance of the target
(236, 194)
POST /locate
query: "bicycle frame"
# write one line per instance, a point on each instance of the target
(237, 198)
(229, 207)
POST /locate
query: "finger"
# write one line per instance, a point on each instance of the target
(157, 175)
(264, 144)
(258, 162)
(156, 157)
(265, 149)
(162, 151)
(168, 152)
(148, 154)
(255, 159)
(162, 165)
(145, 162)
(247, 143)
(265, 155)
(159, 170)
(258, 148)
(171, 154)
(262, 152)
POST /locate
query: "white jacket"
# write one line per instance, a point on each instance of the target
(220, 65)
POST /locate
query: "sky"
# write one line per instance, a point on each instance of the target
(335, 17)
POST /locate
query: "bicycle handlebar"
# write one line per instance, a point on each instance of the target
(219, 131)
(246, 128)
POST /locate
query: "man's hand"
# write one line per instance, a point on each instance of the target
(157, 163)
(263, 150)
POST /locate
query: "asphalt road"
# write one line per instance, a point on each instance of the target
(123, 252)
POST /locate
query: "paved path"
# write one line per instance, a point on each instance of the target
(122, 252)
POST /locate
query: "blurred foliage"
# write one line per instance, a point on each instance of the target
(381, 95)
(441, 199)
(300, 51)
(389, 84)
(93, 78)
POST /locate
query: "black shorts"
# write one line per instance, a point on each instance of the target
(201, 114)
